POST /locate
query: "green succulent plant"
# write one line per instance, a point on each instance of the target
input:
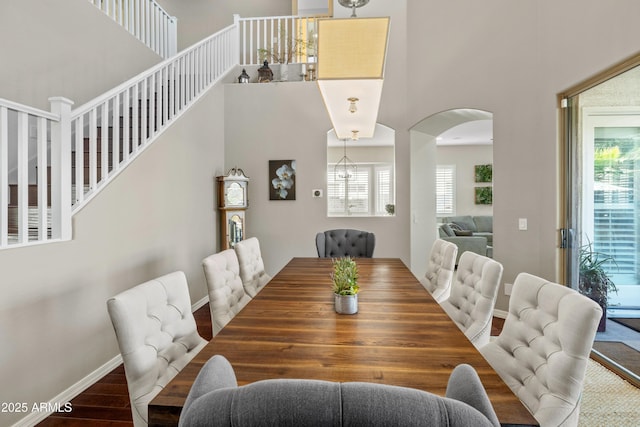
(345, 276)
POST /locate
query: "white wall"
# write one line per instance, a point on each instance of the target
(157, 216)
(64, 48)
(279, 121)
(513, 58)
(465, 157)
(282, 121)
(198, 19)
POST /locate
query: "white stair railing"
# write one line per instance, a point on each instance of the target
(110, 131)
(100, 138)
(36, 145)
(146, 20)
(39, 149)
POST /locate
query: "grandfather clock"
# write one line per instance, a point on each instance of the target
(232, 204)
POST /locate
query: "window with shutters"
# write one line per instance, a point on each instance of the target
(445, 190)
(365, 193)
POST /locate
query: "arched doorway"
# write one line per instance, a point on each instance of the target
(463, 138)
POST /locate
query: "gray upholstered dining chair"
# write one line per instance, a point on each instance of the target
(473, 296)
(252, 271)
(440, 269)
(226, 293)
(157, 336)
(345, 242)
(215, 399)
(544, 346)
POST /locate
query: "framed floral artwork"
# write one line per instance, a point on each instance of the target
(282, 183)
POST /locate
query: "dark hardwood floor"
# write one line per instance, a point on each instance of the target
(106, 403)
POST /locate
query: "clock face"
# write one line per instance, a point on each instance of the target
(235, 195)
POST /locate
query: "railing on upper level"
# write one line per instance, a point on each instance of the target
(146, 20)
(280, 39)
(53, 162)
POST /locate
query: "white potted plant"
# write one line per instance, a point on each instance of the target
(345, 285)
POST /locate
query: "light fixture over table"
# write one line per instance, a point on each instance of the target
(345, 168)
(351, 57)
(353, 4)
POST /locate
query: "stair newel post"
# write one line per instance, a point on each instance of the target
(61, 169)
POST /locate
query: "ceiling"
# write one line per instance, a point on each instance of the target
(476, 132)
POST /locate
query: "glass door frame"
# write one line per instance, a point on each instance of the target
(568, 217)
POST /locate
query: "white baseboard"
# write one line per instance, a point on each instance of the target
(500, 314)
(200, 303)
(67, 395)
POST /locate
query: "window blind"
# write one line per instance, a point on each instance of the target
(445, 190)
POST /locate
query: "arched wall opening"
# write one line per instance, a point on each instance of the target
(468, 132)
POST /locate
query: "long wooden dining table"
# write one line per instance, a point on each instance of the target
(399, 336)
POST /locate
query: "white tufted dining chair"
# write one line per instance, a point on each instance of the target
(226, 294)
(473, 296)
(252, 272)
(542, 351)
(157, 336)
(440, 269)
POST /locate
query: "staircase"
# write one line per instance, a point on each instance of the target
(73, 154)
(61, 159)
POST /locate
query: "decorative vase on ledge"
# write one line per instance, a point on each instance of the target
(284, 72)
(345, 285)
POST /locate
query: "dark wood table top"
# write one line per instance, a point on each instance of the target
(399, 336)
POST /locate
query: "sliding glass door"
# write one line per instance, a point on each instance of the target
(610, 196)
(603, 183)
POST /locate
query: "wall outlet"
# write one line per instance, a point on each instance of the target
(316, 193)
(507, 288)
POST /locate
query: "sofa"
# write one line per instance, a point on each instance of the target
(216, 400)
(470, 233)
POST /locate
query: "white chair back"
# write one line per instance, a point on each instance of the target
(440, 269)
(544, 346)
(473, 296)
(157, 336)
(252, 271)
(226, 293)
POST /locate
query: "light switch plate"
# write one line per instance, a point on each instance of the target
(522, 223)
(316, 193)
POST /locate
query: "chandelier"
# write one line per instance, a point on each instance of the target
(353, 4)
(345, 168)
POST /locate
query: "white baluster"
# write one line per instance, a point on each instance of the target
(43, 185)
(23, 177)
(79, 155)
